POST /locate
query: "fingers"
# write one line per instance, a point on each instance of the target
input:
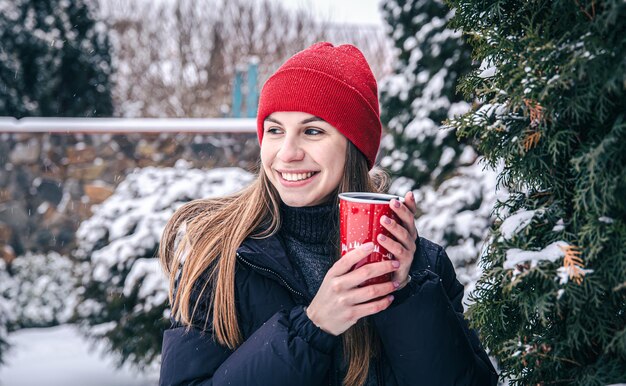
(374, 291)
(365, 272)
(370, 308)
(406, 214)
(347, 261)
(409, 201)
(398, 232)
(398, 249)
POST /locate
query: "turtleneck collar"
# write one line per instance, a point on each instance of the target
(317, 224)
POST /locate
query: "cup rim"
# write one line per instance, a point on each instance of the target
(357, 197)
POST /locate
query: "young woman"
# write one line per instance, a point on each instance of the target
(258, 293)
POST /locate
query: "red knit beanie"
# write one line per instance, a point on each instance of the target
(332, 83)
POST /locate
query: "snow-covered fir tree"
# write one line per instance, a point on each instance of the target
(551, 304)
(124, 294)
(54, 59)
(421, 94)
(454, 194)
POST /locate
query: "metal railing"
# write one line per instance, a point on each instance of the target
(127, 125)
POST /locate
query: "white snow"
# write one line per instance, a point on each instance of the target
(563, 273)
(468, 156)
(559, 226)
(410, 43)
(606, 220)
(154, 288)
(517, 222)
(446, 211)
(43, 289)
(60, 356)
(551, 253)
(488, 72)
(117, 243)
(7, 314)
(142, 203)
(458, 108)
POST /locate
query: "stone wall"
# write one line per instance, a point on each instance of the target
(49, 182)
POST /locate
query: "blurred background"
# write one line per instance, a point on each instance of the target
(114, 113)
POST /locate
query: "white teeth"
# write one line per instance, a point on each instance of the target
(296, 176)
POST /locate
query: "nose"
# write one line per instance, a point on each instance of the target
(290, 149)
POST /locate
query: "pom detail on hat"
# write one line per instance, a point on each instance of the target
(332, 83)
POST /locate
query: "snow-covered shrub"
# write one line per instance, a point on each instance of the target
(43, 291)
(124, 292)
(458, 215)
(6, 310)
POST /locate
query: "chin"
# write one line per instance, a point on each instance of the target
(296, 202)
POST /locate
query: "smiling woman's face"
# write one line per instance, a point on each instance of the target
(303, 156)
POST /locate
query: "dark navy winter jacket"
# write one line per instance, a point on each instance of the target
(425, 339)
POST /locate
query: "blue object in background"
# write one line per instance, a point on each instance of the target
(253, 93)
(237, 97)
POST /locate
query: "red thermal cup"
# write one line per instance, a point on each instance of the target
(359, 214)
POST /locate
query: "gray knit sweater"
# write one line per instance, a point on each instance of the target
(310, 236)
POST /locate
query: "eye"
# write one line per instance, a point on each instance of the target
(313, 131)
(273, 130)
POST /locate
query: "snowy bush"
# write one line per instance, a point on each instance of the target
(6, 310)
(458, 215)
(43, 290)
(124, 294)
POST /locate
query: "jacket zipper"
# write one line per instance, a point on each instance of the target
(272, 272)
(379, 380)
(330, 382)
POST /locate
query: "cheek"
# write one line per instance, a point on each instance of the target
(338, 162)
(338, 170)
(266, 158)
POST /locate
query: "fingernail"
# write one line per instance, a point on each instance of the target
(386, 220)
(367, 246)
(396, 284)
(391, 298)
(382, 237)
(395, 263)
(396, 203)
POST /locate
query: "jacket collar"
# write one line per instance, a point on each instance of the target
(269, 254)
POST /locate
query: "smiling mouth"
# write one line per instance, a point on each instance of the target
(293, 177)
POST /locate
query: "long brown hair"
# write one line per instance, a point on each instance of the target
(215, 228)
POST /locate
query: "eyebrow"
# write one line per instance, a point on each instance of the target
(308, 120)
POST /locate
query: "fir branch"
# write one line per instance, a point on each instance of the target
(591, 15)
(573, 263)
(566, 360)
(531, 139)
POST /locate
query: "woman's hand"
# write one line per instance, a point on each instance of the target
(405, 233)
(340, 302)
